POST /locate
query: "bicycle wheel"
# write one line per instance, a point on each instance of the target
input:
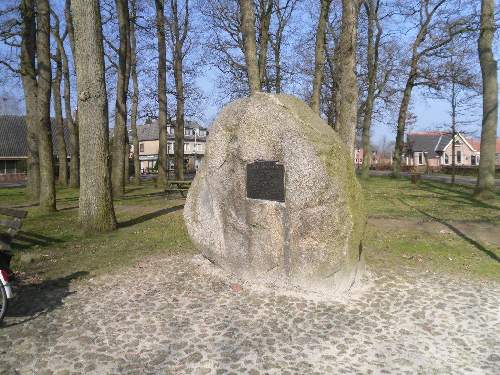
(3, 302)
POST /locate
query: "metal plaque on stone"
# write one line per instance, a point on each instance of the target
(266, 180)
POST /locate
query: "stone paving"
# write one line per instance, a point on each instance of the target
(169, 316)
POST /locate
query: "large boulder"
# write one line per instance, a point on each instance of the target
(313, 238)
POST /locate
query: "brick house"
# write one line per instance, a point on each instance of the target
(432, 150)
(14, 147)
(195, 137)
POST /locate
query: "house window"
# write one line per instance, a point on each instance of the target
(473, 160)
(186, 147)
(141, 147)
(446, 159)
(459, 157)
(420, 158)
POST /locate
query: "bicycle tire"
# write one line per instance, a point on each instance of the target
(3, 302)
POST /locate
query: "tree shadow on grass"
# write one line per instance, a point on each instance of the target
(33, 300)
(444, 192)
(457, 231)
(149, 216)
(26, 240)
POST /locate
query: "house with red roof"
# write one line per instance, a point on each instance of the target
(434, 149)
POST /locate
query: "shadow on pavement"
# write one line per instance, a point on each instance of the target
(33, 300)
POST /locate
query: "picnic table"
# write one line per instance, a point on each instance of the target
(178, 187)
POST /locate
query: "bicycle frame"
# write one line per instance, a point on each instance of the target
(5, 280)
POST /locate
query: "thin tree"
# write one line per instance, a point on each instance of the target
(62, 154)
(374, 35)
(178, 29)
(485, 187)
(459, 85)
(265, 13)
(135, 92)
(434, 31)
(96, 212)
(162, 93)
(72, 123)
(319, 54)
(250, 48)
(120, 129)
(69, 25)
(283, 15)
(347, 96)
(28, 77)
(47, 186)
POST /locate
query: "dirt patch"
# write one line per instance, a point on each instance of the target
(485, 232)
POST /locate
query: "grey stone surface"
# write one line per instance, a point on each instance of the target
(166, 316)
(313, 239)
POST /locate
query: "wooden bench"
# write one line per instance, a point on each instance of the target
(178, 187)
(8, 230)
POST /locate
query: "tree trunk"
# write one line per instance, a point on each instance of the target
(135, 93)
(74, 166)
(319, 56)
(453, 132)
(69, 26)
(266, 9)
(373, 46)
(348, 89)
(126, 157)
(28, 76)
(485, 187)
(62, 154)
(96, 211)
(162, 94)
(179, 37)
(118, 165)
(400, 132)
(250, 48)
(277, 64)
(47, 186)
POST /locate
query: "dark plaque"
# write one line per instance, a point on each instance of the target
(266, 180)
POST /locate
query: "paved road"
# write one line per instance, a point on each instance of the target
(168, 316)
(461, 180)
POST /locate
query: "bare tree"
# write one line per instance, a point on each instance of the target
(250, 47)
(346, 104)
(283, 13)
(135, 92)
(28, 77)
(459, 85)
(47, 186)
(319, 54)
(374, 36)
(96, 212)
(437, 26)
(69, 26)
(265, 13)
(178, 30)
(485, 187)
(120, 130)
(62, 154)
(74, 176)
(162, 93)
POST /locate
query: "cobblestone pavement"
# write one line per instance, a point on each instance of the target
(167, 317)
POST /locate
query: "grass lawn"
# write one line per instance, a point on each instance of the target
(431, 226)
(53, 246)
